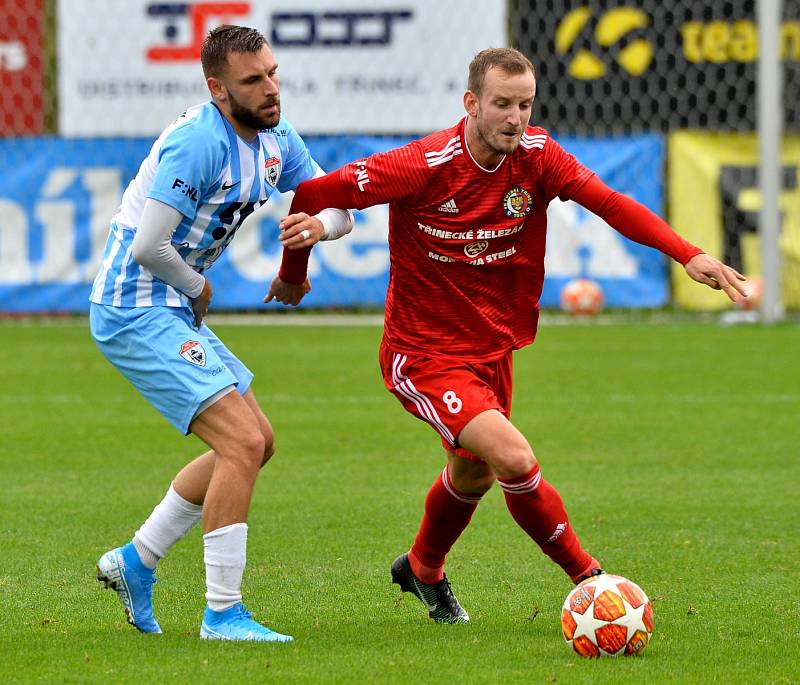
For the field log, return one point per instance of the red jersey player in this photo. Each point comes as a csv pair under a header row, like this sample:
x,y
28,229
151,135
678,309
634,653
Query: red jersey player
x,y
467,226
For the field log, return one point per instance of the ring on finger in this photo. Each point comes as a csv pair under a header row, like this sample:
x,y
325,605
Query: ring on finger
x,y
305,233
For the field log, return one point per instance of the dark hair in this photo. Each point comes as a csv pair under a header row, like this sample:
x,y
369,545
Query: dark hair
x,y
226,39
509,60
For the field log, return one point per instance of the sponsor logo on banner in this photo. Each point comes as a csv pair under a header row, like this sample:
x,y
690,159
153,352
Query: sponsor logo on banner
x,y
362,59
517,203
196,19
192,351
613,27
338,28
272,171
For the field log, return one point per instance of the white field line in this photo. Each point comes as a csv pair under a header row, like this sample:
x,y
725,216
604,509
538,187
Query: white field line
x,y
278,318
284,398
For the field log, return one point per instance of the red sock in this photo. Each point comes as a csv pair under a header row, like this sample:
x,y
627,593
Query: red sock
x,y
447,513
538,509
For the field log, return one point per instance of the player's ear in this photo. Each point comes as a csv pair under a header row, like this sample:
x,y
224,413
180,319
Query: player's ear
x,y
471,103
216,88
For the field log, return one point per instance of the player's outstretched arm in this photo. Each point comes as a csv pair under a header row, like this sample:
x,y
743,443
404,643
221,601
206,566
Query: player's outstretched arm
x,y
637,222
380,178
706,269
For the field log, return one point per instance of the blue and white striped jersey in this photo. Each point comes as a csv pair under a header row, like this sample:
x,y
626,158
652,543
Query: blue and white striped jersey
x,y
200,167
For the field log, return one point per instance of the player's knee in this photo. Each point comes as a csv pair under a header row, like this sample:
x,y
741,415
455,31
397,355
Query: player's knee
x,y
477,484
269,446
486,482
470,477
517,460
248,451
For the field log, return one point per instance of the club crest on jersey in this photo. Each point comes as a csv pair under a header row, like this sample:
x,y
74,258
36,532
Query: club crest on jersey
x,y
193,352
474,249
517,203
272,171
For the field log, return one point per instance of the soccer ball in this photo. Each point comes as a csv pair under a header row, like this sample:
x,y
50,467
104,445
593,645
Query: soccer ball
x,y
755,291
606,616
581,296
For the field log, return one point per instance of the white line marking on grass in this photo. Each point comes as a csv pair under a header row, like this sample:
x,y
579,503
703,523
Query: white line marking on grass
x,y
676,399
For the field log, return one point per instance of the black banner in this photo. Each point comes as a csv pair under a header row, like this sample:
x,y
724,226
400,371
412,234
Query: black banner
x,y
608,67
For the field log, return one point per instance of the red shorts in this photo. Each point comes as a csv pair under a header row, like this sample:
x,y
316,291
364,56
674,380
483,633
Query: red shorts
x,y
448,393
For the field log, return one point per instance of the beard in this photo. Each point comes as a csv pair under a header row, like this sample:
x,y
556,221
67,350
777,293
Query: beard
x,y
254,118
496,141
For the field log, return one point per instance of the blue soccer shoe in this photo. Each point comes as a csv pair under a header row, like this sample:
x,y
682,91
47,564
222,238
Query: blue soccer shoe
x,y
121,570
237,623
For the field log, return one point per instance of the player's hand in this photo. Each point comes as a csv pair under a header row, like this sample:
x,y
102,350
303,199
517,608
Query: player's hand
x,y
705,269
300,230
287,293
200,304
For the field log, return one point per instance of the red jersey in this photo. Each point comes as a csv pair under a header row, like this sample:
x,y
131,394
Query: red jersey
x,y
466,244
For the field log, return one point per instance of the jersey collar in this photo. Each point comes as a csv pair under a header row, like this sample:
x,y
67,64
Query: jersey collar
x,y
255,145
465,145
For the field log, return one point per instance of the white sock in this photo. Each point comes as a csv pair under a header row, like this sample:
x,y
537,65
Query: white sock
x,y
225,551
172,518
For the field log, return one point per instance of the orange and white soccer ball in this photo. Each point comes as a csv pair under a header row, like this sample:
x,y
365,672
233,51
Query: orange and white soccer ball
x,y
582,296
607,616
755,291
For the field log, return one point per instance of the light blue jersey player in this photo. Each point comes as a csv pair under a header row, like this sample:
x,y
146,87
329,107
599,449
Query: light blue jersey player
x,y
206,173
200,167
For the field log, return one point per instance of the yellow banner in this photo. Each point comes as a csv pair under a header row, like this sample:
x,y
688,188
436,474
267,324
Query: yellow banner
x,y
714,202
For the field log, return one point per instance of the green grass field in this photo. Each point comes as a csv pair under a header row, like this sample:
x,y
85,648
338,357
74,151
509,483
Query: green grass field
x,y
676,448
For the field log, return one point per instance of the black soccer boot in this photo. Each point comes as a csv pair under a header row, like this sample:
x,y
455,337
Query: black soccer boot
x,y
595,572
439,600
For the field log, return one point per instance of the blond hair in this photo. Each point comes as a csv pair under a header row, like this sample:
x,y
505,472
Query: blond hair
x,y
509,60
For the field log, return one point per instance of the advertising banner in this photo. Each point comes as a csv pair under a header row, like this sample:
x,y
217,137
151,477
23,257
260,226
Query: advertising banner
x,y
580,244
714,202
21,83
375,66
58,196
646,65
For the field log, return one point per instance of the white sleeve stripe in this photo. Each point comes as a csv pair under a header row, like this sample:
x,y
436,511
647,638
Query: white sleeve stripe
x,y
445,159
444,153
450,143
